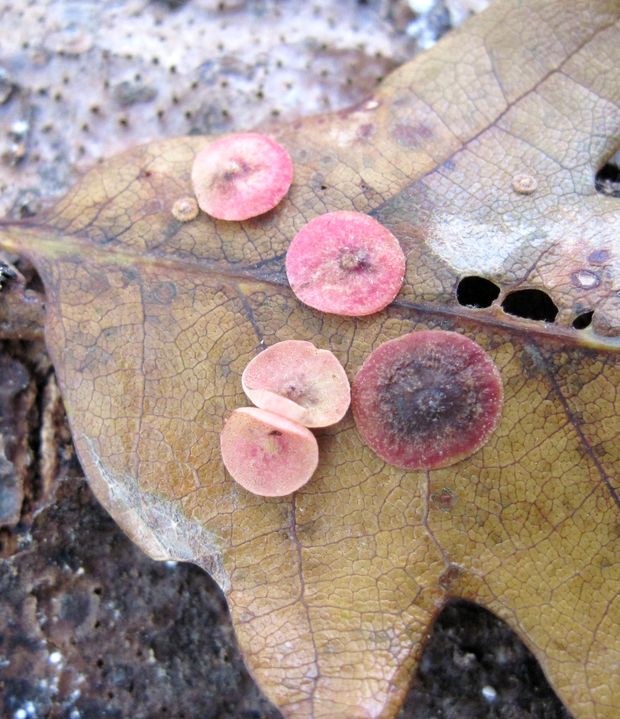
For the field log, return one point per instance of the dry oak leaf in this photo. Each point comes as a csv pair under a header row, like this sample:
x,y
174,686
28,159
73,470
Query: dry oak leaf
x,y
150,323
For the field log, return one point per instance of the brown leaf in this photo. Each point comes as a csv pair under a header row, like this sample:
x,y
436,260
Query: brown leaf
x,y
151,322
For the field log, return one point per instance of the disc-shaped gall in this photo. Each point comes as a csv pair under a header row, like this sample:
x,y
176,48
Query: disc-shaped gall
x,y
345,263
427,400
268,454
185,209
241,175
524,184
299,381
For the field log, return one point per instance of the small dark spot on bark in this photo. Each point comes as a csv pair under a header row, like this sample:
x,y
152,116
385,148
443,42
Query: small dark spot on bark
x,y
172,4
76,608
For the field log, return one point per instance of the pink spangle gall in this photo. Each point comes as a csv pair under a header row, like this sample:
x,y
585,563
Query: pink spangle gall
x,y
185,209
267,454
345,263
299,381
241,175
524,184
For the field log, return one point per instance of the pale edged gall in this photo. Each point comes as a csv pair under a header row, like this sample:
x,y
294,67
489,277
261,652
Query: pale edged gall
x,y
427,399
299,381
345,263
241,175
267,454
185,209
524,184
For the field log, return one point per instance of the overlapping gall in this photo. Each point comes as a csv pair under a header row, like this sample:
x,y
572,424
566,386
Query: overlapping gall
x,y
299,381
268,454
269,451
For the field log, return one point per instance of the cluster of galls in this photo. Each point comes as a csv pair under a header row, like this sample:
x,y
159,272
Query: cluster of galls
x,y
423,401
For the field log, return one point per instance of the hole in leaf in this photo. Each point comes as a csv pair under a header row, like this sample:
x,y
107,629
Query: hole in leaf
x,y
476,292
583,320
607,179
531,305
